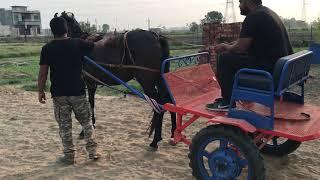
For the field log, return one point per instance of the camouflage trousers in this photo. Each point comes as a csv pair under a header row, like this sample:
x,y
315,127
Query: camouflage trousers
x,y
63,107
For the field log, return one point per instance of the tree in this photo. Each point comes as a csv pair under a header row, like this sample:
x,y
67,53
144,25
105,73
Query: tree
x,y
316,28
194,27
93,29
105,28
87,27
212,17
294,24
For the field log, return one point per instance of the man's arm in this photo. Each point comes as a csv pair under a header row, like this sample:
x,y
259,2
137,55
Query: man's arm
x,y
42,79
240,46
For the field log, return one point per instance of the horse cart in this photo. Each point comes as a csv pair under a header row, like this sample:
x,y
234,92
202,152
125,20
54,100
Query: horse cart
x,y
269,115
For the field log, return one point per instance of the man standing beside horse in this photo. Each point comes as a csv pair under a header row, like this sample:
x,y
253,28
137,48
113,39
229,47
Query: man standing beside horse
x,y
63,56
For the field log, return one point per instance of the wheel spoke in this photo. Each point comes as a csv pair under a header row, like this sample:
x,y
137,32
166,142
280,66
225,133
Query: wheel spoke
x,y
206,154
243,163
223,144
275,141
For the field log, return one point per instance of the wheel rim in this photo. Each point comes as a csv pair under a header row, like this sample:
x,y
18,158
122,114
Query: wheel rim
x,y
276,142
225,162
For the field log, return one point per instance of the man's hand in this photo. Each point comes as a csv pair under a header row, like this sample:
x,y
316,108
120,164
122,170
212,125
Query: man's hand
x,y
220,48
42,78
42,97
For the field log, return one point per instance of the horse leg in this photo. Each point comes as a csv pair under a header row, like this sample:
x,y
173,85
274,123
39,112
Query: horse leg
x,y
92,88
92,93
166,98
158,119
150,90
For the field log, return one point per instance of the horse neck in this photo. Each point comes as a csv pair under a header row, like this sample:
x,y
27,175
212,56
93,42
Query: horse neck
x,y
105,54
91,37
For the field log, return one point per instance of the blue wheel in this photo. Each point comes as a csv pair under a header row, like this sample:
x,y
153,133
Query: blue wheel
x,y
225,153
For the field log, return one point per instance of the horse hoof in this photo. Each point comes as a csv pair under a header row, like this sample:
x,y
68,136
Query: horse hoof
x,y
172,142
81,136
152,149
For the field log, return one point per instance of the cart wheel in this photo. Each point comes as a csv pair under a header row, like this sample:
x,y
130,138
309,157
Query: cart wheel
x,y
225,152
280,146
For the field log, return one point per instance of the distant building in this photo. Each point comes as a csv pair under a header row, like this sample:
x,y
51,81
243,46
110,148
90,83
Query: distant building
x,y
25,22
4,31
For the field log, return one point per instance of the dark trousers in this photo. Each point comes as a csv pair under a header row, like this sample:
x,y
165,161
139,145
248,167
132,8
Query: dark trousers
x,y
228,64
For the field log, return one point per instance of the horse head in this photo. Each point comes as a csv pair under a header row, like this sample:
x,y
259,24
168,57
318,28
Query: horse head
x,y
74,29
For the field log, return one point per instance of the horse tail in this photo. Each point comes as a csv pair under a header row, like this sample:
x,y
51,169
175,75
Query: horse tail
x,y
165,47
165,50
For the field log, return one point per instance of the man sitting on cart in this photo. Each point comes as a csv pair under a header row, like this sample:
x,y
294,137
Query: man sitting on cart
x,y
262,41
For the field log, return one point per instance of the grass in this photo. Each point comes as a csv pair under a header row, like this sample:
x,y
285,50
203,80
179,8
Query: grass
x,y
297,49
19,66
20,71
8,50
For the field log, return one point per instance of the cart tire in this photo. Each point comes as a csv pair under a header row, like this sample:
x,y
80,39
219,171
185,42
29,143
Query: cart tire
x,y
234,137
289,146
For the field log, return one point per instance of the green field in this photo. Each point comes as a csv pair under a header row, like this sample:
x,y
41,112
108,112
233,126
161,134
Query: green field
x,y
8,50
19,66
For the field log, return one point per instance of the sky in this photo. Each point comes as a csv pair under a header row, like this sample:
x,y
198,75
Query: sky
x,y
129,14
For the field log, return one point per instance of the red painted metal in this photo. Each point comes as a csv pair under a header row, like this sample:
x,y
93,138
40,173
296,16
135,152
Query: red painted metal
x,y
193,88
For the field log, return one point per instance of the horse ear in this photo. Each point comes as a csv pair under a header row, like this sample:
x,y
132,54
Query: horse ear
x,y
72,15
56,15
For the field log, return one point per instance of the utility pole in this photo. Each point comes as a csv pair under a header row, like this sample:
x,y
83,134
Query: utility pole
x,y
227,17
25,31
149,22
304,12
95,20
116,23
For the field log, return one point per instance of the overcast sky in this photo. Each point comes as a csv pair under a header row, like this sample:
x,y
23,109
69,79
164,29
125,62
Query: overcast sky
x,y
170,13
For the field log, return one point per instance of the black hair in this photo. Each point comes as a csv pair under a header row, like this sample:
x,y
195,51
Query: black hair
x,y
257,2
58,26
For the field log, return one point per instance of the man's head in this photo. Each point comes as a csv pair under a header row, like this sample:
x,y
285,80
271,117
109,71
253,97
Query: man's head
x,y
246,6
58,26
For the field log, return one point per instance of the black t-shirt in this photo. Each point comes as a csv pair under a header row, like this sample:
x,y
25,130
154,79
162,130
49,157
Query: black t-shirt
x,y
270,38
64,58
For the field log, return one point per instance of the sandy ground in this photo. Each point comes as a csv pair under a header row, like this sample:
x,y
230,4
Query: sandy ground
x,y
30,145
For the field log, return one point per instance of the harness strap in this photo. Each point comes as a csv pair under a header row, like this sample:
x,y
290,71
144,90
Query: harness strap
x,y
128,66
104,84
126,48
153,103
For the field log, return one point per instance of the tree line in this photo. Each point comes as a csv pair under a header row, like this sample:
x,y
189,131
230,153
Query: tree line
x,y
291,24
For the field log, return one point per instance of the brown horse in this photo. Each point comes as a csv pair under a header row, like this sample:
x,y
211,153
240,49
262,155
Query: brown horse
x,y
136,54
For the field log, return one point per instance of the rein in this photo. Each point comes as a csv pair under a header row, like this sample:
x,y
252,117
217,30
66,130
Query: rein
x,y
104,84
128,67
